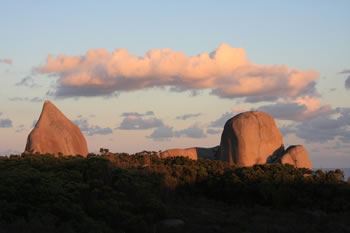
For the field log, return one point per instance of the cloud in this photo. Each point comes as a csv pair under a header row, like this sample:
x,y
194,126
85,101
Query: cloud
x,y
137,122
5,123
166,132
20,128
162,133
187,116
256,99
219,123
226,71
302,108
6,61
326,128
289,129
27,81
191,132
344,72
214,131
34,99
236,110
91,130
136,114
347,83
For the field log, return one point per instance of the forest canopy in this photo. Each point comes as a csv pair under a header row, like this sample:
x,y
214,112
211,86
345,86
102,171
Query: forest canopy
x,y
125,193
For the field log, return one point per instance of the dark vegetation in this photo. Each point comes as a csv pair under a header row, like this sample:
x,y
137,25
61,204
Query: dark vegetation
x,y
134,193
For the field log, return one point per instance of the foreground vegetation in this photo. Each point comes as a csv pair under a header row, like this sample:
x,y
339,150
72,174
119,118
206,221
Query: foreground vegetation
x,y
135,193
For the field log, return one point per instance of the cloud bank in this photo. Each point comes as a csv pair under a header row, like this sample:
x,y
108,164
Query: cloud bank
x,y
226,71
335,125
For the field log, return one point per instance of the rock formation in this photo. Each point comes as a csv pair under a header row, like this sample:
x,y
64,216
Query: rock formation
x,y
192,153
189,152
249,138
55,134
296,156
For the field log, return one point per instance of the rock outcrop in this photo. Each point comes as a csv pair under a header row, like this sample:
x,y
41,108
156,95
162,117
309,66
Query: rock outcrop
x,y
192,153
55,134
249,138
296,156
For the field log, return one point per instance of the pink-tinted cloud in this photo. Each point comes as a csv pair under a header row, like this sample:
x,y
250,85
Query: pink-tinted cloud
x,y
6,61
226,71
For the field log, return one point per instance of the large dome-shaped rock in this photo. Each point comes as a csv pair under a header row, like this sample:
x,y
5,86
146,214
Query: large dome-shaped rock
x,y
55,134
192,153
296,156
249,138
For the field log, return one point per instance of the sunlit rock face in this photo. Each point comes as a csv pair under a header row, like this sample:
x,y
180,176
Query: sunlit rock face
x,y
296,156
192,153
55,134
249,138
189,152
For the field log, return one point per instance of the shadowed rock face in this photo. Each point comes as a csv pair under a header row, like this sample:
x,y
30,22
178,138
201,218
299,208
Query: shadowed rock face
x,y
54,133
192,153
249,138
296,156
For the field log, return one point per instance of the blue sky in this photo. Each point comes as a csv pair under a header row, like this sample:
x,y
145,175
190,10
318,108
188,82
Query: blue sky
x,y
312,35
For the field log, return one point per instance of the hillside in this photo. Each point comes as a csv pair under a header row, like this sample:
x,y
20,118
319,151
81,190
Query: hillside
x,y
136,193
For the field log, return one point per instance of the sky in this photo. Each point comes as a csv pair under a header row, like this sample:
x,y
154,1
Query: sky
x,y
155,75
